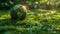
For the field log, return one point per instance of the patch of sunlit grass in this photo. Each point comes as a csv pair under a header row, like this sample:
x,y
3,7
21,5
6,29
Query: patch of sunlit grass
x,y
58,27
52,12
42,10
5,17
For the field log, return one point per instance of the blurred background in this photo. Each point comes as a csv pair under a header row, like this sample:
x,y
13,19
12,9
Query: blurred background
x,y
42,17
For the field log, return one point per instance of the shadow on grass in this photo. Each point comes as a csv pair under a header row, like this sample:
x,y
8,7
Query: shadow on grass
x,y
7,22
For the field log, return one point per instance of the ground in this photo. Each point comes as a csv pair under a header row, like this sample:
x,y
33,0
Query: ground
x,y
36,21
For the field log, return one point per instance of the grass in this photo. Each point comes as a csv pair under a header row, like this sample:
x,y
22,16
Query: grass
x,y
37,20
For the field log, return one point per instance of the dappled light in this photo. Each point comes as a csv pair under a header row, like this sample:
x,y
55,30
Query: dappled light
x,y
30,17
5,17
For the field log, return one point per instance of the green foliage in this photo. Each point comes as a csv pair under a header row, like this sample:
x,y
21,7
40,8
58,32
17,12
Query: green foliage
x,y
7,4
38,21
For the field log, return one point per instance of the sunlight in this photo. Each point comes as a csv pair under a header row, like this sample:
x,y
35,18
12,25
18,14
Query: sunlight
x,y
30,17
47,13
25,8
52,12
4,17
58,27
